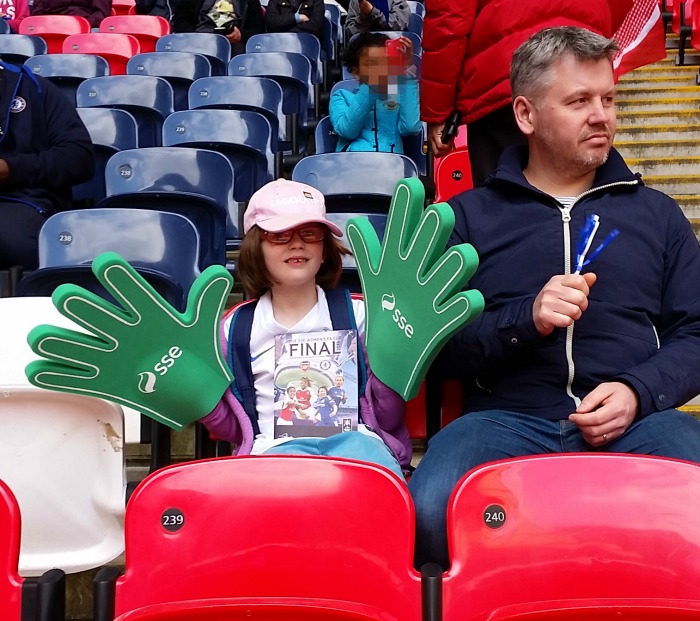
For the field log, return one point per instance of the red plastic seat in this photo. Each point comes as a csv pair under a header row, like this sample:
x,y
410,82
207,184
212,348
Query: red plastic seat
x,y
146,28
116,49
54,28
122,7
277,531
562,537
453,175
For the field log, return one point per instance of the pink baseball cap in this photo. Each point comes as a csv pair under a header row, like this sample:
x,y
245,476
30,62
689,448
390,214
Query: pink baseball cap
x,y
282,204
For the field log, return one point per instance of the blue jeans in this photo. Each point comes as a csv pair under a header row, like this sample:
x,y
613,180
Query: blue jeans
x,y
481,437
351,444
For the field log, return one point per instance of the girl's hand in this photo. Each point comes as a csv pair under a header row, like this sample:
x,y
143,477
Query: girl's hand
x,y
407,50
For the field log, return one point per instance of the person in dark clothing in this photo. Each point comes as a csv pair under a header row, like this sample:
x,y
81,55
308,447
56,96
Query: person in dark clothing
x,y
44,151
575,351
243,20
295,16
163,8
93,10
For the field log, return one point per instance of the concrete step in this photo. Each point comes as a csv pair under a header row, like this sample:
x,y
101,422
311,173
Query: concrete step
x,y
653,149
646,132
690,204
674,185
639,118
658,104
666,166
668,82
634,93
657,72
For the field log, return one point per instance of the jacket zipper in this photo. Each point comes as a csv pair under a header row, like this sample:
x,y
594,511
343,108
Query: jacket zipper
x,y
566,219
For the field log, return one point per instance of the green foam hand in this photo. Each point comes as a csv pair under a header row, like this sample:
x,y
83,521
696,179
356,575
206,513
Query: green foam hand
x,y
144,355
412,286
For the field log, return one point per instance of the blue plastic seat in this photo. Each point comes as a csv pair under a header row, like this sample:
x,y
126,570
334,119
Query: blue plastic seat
x,y
180,69
325,137
215,47
353,180
415,24
5,27
148,98
195,183
162,246
16,48
68,71
292,71
332,12
110,130
416,7
244,137
261,95
299,42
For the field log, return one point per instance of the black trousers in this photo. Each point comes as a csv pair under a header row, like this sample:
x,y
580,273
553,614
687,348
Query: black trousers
x,y
486,139
19,233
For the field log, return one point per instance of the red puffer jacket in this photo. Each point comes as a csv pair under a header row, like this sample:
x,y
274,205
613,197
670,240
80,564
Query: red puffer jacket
x,y
468,44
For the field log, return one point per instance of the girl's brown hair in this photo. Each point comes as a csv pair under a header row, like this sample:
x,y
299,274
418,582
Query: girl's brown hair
x,y
253,274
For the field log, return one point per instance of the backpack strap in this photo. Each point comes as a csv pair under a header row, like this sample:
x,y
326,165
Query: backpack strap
x,y
343,318
239,360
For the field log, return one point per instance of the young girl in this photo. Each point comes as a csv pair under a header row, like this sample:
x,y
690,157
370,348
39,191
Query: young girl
x,y
290,260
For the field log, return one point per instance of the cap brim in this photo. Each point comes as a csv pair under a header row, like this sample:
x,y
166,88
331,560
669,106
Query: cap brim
x,y
289,221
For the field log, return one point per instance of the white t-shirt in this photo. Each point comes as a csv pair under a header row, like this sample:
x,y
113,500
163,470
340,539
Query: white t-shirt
x,y
262,356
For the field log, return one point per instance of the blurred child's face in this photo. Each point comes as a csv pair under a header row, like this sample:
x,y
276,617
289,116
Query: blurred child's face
x,y
374,69
339,381
322,392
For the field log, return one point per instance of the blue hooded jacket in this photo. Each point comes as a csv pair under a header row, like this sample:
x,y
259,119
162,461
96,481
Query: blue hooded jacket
x,y
642,325
43,141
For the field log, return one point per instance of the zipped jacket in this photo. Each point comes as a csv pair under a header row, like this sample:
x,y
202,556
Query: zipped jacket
x,y
642,325
280,16
43,141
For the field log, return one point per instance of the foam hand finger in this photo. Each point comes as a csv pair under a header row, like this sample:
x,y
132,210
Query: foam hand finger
x,y
450,273
432,235
69,346
405,213
208,296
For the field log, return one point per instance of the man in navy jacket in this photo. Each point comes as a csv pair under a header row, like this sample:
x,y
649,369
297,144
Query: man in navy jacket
x,y
44,150
565,361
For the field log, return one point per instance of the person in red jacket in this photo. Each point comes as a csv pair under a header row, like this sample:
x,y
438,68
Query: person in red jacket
x,y
467,47
14,11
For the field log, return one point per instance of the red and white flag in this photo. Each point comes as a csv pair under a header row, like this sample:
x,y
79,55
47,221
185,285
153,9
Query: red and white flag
x,y
641,37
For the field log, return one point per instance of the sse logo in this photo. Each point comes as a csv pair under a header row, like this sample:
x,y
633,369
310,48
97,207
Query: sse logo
x,y
389,303
147,379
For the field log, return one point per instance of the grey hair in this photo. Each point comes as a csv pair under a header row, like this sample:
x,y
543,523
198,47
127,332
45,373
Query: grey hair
x,y
530,68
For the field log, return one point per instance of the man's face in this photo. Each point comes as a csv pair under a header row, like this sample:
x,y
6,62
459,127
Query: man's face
x,y
574,121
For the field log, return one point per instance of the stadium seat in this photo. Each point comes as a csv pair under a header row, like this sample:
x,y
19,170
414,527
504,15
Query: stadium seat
x,y
149,99
110,130
146,28
416,7
325,137
5,27
329,40
453,174
261,95
54,29
180,69
332,11
576,536
281,537
415,24
16,48
122,7
195,183
292,72
63,457
116,49
68,71
215,47
350,180
244,137
162,246
21,599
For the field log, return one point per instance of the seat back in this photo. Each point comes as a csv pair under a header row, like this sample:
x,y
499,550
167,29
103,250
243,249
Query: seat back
x,y
348,179
416,7
195,183
10,582
16,48
551,533
67,71
146,28
244,137
332,11
5,27
686,11
54,28
453,174
122,7
292,529
415,24
291,70
299,42
325,137
180,69
215,47
148,98
110,130
261,95
116,49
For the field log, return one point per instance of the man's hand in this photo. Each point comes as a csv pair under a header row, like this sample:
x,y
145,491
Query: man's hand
x,y
142,354
234,36
303,18
365,7
435,140
606,412
561,301
411,286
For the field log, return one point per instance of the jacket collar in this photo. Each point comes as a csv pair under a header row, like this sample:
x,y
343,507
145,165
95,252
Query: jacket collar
x,y
514,159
